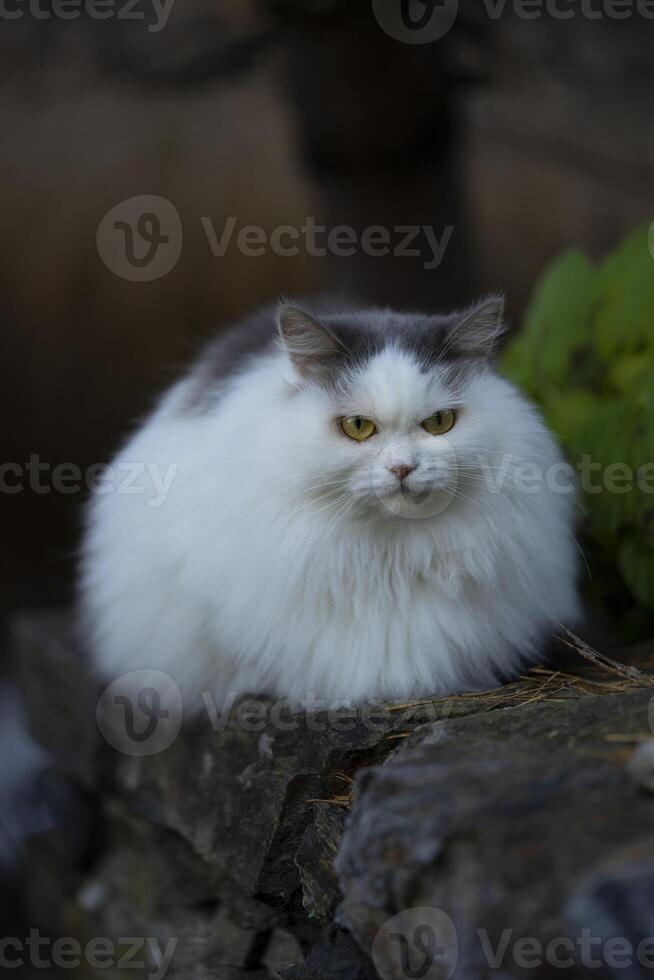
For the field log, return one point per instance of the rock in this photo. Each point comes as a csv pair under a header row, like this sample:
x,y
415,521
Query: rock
x,y
238,944
314,860
59,695
146,881
236,788
618,900
335,957
282,952
242,798
497,826
471,816
641,766
216,838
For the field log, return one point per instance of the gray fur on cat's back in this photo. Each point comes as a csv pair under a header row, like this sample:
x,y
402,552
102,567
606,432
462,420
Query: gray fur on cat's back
x,y
227,354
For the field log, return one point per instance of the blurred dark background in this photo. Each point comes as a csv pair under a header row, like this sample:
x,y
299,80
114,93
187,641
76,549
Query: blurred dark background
x,y
523,135
520,134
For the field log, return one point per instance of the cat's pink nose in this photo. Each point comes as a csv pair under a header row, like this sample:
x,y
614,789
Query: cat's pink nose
x,y
401,471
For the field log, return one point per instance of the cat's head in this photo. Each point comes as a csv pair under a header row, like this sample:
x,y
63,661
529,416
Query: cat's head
x,y
390,411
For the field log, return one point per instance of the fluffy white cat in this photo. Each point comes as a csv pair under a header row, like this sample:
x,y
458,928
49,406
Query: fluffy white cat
x,y
343,520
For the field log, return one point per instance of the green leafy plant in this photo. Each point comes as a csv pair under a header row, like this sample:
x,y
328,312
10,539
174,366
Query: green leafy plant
x,y
586,355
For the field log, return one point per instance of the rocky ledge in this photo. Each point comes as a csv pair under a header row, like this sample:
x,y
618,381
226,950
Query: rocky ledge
x,y
503,834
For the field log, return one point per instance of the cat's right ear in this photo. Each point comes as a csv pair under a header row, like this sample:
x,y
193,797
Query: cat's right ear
x,y
314,350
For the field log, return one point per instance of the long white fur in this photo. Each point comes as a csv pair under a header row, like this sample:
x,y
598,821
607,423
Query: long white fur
x,y
284,561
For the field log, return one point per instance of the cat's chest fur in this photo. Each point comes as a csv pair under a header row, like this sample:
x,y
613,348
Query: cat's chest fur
x,y
346,618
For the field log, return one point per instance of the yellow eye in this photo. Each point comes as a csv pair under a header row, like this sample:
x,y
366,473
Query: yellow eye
x,y
358,428
440,422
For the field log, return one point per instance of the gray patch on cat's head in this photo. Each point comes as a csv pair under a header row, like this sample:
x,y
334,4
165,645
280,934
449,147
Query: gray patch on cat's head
x,y
326,342
324,346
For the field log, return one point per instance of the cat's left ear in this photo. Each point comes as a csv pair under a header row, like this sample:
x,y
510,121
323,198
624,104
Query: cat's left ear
x,y
476,332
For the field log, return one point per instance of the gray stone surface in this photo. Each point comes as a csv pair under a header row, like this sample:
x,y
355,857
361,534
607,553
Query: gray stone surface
x,y
315,858
238,840
524,819
334,957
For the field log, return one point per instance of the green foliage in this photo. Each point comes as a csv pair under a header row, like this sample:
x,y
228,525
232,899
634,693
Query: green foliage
x,y
586,355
